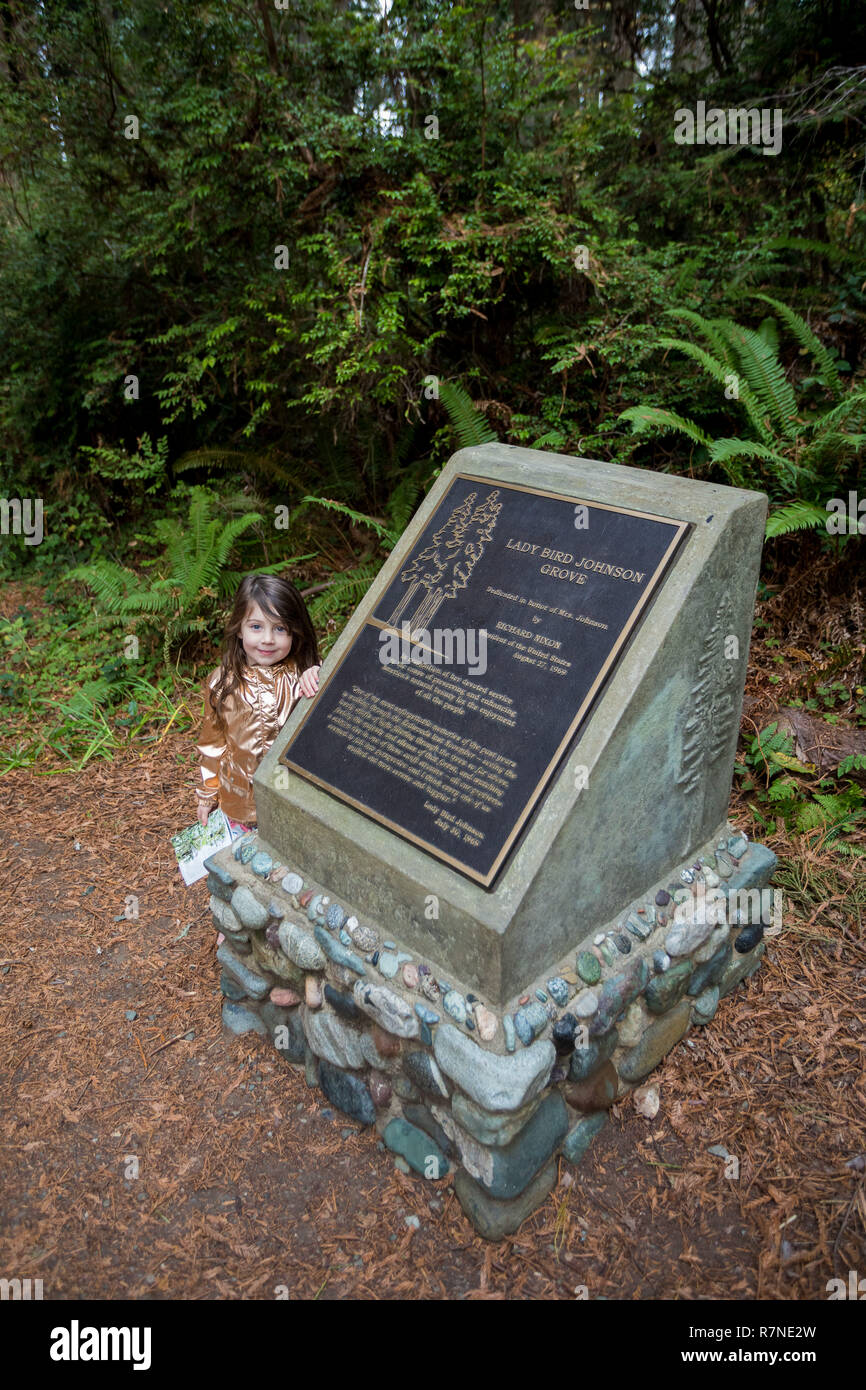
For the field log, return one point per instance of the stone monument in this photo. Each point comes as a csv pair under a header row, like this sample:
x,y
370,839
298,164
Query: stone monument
x,y
493,881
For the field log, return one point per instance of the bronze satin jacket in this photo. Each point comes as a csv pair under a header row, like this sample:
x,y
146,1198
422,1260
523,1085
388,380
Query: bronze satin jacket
x,y
253,715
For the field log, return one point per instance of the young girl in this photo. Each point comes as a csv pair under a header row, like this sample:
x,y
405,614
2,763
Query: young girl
x,y
270,660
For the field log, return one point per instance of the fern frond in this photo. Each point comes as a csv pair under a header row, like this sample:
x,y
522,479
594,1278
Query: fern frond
x,y
710,330
346,592
841,806
810,817
404,444
553,439
771,740
357,517
644,418
765,375
783,789
401,504
283,567
222,460
468,423
820,248
795,516
110,583
807,339
227,538
722,373
723,451
855,400
768,332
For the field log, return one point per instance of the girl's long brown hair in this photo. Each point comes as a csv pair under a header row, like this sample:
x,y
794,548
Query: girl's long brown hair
x,y
280,600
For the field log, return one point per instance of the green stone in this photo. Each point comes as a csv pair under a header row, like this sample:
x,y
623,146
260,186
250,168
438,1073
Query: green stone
x,y
218,889
514,1166
740,967
585,1060
219,874
241,1020
663,991
230,988
276,962
580,1138
420,1151
616,995
711,971
248,909
588,968
489,1129
420,1116
311,1068
421,1069
609,951
250,980
656,1042
494,1082
494,1219
706,1005
338,952
405,1089
286,1030
348,1092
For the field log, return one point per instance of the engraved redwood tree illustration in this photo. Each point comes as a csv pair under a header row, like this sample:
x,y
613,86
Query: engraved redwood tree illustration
x,y
443,567
431,563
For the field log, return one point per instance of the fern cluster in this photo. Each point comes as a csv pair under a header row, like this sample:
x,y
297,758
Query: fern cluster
x,y
783,448
345,588
146,468
770,772
193,580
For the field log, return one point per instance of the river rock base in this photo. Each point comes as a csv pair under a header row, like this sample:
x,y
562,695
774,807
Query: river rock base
x,y
451,1083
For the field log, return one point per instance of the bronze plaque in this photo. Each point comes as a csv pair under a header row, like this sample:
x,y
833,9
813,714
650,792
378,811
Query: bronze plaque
x,y
446,717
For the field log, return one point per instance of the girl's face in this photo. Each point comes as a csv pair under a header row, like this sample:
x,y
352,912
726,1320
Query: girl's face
x,y
265,640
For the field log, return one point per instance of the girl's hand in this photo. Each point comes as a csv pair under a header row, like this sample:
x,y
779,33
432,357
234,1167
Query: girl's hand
x,y
204,813
309,682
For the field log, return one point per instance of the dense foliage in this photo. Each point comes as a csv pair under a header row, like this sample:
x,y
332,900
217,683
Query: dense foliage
x,y
326,205
264,265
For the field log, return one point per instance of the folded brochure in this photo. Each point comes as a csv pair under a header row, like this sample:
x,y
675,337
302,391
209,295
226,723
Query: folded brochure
x,y
198,842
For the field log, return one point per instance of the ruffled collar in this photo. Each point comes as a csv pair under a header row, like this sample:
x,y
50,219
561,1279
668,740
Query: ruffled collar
x,y
288,665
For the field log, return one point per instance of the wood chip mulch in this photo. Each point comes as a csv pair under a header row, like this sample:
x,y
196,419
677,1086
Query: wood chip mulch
x,y
244,1185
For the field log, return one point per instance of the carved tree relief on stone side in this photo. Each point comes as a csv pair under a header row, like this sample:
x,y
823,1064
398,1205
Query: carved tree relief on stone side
x,y
712,705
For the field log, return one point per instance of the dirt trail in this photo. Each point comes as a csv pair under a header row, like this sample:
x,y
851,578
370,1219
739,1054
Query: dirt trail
x,y
244,1183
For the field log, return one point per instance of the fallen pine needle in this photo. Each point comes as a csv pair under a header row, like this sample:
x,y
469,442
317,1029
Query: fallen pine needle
x,y
175,1039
